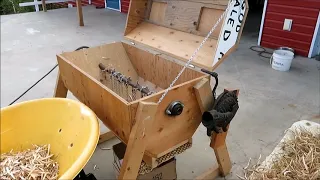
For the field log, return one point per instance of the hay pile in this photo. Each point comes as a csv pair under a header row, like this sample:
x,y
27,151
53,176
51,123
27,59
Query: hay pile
x,y
299,159
34,164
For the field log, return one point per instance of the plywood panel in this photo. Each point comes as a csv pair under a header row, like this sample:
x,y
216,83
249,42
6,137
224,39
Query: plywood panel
x,y
182,15
157,12
169,130
176,44
112,110
111,55
156,69
208,18
185,15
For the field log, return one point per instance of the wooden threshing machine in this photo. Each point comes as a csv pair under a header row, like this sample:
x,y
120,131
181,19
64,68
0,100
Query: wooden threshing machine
x,y
122,82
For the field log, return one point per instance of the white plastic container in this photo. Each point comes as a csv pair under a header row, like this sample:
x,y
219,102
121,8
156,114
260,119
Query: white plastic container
x,y
281,60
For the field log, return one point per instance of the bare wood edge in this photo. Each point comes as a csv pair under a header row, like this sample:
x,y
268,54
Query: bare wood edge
x,y
60,56
211,173
106,137
60,89
161,92
204,95
138,140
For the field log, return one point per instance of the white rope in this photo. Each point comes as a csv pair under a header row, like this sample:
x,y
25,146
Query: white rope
x,y
194,53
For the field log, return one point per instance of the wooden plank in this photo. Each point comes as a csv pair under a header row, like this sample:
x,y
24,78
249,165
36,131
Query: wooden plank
x,y
158,10
185,16
138,140
174,43
112,56
136,14
156,69
106,136
208,18
111,109
220,149
151,161
183,126
60,89
182,15
80,14
204,95
211,173
44,7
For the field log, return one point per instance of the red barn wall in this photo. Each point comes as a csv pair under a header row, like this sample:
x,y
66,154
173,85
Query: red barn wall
x,y
125,6
304,15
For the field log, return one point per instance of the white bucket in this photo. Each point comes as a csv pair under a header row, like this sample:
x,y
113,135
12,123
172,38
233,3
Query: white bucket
x,y
281,60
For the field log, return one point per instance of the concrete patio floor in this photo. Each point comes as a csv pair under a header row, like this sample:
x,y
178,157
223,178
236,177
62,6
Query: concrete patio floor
x,y
270,101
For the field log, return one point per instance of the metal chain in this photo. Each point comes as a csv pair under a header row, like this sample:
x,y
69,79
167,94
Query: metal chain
x,y
194,54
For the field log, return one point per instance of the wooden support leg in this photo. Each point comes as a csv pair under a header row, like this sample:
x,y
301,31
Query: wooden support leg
x,y
138,140
44,7
80,15
61,90
218,141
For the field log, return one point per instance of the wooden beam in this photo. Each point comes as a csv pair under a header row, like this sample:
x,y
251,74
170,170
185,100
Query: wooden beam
x,y
218,143
60,90
80,14
138,140
106,136
204,95
44,7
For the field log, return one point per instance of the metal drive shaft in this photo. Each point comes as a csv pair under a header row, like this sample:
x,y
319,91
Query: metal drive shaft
x,y
124,79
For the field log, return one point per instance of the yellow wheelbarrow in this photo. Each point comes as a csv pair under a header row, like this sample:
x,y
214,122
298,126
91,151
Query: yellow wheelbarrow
x,y
71,129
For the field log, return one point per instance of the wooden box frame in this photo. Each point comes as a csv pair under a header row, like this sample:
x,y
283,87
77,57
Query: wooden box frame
x,y
141,124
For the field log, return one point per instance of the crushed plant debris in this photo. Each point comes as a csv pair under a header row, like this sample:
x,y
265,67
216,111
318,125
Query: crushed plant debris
x,y
300,159
32,164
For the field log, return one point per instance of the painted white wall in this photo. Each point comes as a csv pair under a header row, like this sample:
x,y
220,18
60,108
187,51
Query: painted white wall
x,y
262,21
315,44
